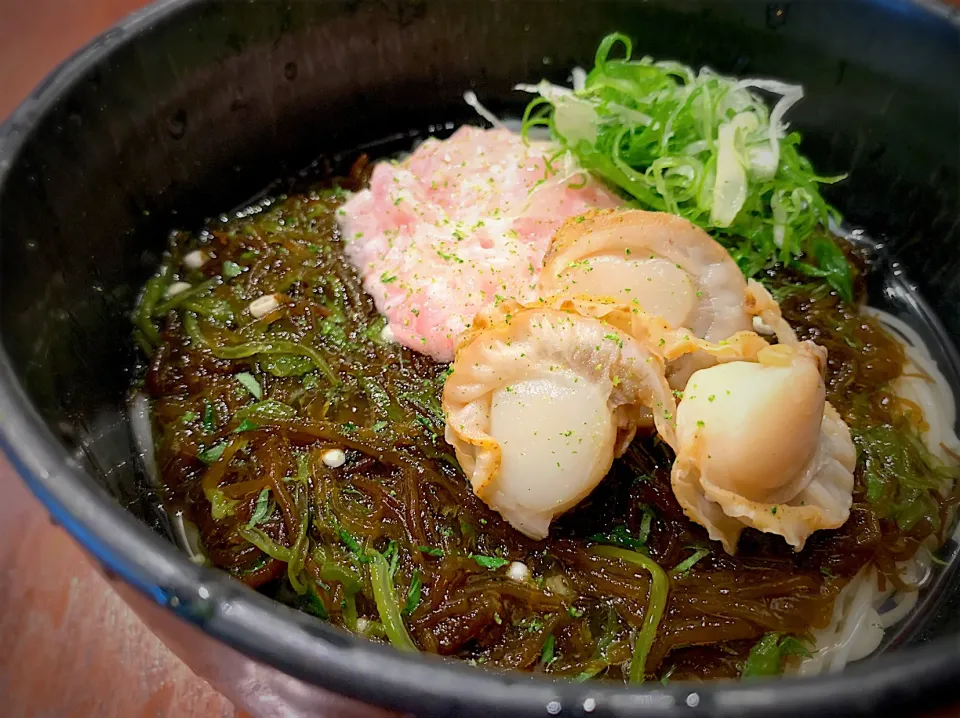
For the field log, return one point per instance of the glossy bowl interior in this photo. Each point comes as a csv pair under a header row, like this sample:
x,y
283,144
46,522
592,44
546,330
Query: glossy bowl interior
x,y
191,107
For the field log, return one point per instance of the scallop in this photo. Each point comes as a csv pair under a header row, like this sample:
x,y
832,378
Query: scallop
x,y
759,446
656,262
539,404
654,332
682,351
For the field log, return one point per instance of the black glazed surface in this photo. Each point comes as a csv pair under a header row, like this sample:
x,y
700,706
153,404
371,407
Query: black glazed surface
x,y
193,106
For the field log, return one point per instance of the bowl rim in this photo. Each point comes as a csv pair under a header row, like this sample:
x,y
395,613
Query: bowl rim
x,y
325,656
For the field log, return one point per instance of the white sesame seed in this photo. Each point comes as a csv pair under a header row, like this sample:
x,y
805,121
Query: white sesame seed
x,y
387,334
177,287
334,458
262,306
195,259
518,571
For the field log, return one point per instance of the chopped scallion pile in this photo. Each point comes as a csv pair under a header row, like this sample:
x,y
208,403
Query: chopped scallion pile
x,y
703,146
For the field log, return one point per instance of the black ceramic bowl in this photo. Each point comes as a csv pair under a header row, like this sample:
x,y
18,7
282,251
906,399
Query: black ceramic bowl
x,y
192,106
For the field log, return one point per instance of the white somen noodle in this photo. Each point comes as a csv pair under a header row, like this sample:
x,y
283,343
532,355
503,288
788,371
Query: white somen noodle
x,y
863,611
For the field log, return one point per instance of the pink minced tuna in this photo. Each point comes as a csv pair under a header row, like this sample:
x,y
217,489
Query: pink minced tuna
x,y
458,225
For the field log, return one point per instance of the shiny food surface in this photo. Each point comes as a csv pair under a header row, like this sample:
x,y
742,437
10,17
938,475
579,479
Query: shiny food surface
x,y
35,36
394,545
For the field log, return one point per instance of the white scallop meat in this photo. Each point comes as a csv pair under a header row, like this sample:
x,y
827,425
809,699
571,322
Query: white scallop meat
x,y
656,262
758,446
539,404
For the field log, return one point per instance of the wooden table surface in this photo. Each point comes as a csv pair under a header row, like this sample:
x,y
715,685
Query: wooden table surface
x,y
71,647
